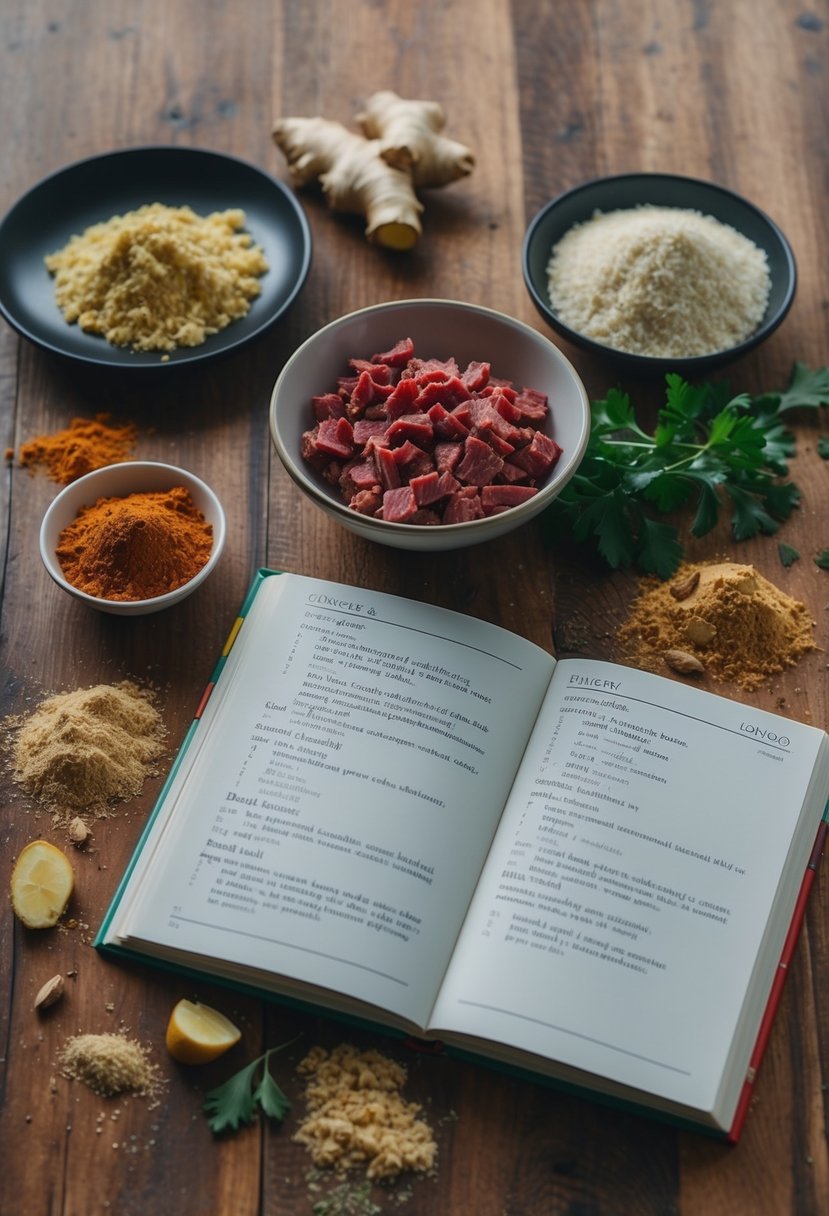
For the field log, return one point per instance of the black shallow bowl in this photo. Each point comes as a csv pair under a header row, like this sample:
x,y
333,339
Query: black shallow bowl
x,y
662,190
91,191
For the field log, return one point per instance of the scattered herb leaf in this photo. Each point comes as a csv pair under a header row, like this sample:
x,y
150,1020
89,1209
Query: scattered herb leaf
x,y
788,555
708,449
823,447
235,1101
822,559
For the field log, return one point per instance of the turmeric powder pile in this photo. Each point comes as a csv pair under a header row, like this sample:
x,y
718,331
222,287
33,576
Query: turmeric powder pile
x,y
86,444
135,548
738,625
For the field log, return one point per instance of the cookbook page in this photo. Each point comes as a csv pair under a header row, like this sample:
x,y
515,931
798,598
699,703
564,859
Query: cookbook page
x,y
652,849
333,810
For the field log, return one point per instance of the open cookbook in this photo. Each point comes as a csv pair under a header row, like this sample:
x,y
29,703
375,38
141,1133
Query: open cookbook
x,y
411,816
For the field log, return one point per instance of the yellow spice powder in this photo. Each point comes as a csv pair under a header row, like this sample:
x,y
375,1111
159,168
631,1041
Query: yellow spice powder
x,y
159,277
739,625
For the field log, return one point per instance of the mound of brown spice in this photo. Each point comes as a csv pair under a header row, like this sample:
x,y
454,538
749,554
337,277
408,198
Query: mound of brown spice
x,y
739,625
89,748
137,547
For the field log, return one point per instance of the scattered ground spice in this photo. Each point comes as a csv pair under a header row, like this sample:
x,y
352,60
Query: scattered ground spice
x,y
740,626
347,1199
158,277
137,547
89,748
86,444
357,1116
111,1064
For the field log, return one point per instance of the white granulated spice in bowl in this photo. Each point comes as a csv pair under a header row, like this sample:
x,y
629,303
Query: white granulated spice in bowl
x,y
658,272
659,281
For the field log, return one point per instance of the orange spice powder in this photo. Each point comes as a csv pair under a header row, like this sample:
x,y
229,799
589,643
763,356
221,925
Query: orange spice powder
x,y
86,444
137,547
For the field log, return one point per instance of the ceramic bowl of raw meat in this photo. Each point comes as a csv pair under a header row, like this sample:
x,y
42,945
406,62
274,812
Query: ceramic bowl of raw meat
x,y
444,331
630,190
118,481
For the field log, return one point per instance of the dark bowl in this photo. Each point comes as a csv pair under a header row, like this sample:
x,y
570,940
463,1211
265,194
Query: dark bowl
x,y
664,190
91,191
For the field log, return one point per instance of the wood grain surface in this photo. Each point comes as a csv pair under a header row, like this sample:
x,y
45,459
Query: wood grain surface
x,y
549,93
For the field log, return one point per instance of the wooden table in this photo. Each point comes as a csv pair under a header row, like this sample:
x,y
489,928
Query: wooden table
x,y
548,94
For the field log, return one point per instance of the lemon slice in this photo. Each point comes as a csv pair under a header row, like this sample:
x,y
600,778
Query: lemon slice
x,y
197,1033
41,883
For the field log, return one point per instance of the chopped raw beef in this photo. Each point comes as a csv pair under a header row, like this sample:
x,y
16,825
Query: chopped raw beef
x,y
398,356
399,505
418,441
336,436
328,405
462,506
505,496
479,464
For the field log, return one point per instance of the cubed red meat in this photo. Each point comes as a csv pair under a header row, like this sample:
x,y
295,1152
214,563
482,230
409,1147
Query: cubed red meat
x,y
418,441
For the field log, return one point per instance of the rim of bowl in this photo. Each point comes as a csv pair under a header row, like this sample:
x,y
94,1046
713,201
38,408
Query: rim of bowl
x,y
130,606
528,508
660,362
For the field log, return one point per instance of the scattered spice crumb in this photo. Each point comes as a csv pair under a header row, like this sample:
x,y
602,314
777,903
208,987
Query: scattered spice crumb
x,y
111,1064
347,1199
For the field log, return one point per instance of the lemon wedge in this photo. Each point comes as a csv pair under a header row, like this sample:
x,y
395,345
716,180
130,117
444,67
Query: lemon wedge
x,y
41,883
197,1033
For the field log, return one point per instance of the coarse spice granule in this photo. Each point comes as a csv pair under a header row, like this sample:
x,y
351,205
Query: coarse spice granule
x,y
89,748
111,1064
357,1116
741,627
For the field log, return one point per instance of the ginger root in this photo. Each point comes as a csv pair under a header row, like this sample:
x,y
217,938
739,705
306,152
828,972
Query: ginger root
x,y
376,174
409,134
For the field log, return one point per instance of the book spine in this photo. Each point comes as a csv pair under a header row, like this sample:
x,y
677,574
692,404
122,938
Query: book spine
x,y
776,992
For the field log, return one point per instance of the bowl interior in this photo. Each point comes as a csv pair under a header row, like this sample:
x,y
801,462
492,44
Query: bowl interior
x,y
661,190
117,481
438,329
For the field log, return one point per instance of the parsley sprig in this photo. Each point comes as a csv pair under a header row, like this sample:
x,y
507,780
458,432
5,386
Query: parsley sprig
x,y
708,449
236,1101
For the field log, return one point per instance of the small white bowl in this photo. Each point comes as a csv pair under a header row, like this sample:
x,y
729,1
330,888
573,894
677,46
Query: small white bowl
x,y
439,329
117,481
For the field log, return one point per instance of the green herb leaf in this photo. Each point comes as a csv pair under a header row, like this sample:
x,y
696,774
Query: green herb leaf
x,y
822,559
806,388
268,1095
823,447
234,1103
231,1104
788,555
719,452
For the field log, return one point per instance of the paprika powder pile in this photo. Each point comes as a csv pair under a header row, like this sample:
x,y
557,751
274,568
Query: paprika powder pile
x,y
137,547
86,444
